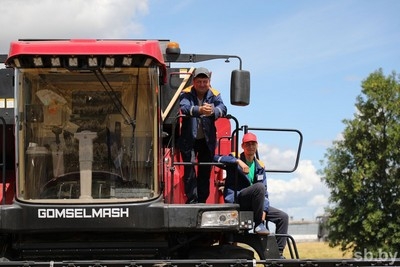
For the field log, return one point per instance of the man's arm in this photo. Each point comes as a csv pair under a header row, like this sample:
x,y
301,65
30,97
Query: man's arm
x,y
245,168
187,106
220,109
232,160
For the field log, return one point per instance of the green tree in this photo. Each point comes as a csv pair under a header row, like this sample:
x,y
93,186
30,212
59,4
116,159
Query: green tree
x,y
362,171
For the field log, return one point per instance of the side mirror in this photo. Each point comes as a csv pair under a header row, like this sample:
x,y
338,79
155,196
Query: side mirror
x,y
240,88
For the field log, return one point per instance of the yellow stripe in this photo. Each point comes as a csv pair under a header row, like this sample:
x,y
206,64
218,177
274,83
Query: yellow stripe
x,y
214,91
261,163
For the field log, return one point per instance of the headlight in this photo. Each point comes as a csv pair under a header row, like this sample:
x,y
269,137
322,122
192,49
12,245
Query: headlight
x,y
220,218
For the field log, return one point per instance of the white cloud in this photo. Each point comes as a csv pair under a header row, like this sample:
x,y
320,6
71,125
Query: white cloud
x,y
70,19
277,158
302,195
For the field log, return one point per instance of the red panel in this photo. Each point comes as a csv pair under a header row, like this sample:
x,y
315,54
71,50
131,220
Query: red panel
x,y
174,187
150,48
9,187
223,147
223,132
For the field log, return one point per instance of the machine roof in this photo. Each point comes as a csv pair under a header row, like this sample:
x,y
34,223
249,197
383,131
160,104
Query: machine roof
x,y
75,47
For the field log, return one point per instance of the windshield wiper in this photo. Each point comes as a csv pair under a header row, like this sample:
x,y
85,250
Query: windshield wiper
x,y
114,98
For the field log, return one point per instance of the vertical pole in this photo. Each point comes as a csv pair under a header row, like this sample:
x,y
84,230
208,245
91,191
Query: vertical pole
x,y
85,162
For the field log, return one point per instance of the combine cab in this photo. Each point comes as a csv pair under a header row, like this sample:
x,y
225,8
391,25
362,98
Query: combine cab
x,y
91,175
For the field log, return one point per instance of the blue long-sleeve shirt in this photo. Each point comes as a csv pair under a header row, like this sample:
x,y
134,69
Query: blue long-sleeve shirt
x,y
189,106
243,179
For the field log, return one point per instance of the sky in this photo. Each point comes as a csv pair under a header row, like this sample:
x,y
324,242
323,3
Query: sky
x,y
306,58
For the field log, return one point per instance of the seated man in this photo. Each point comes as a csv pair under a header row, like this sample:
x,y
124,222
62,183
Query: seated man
x,y
251,187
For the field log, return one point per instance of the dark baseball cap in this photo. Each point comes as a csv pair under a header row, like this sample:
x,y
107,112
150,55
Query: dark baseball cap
x,y
201,71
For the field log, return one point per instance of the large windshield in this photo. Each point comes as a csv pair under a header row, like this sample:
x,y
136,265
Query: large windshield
x,y
87,136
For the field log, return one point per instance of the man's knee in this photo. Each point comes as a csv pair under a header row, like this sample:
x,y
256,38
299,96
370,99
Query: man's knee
x,y
285,216
259,188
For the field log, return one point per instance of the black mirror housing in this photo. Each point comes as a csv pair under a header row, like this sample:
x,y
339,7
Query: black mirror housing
x,y
240,88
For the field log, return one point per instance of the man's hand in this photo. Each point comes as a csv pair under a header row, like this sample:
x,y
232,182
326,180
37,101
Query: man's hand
x,y
206,109
244,166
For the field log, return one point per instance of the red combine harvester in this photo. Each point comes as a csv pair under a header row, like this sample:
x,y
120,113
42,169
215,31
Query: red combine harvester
x,y
90,172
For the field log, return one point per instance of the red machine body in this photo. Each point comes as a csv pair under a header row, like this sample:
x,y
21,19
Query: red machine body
x,y
91,175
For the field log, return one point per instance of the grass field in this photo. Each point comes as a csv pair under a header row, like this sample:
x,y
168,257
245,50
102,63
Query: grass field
x,y
317,250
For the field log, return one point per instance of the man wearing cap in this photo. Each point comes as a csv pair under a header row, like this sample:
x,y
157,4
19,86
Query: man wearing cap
x,y
202,105
251,187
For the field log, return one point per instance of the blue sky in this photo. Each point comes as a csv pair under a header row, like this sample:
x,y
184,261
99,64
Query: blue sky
x,y
307,59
